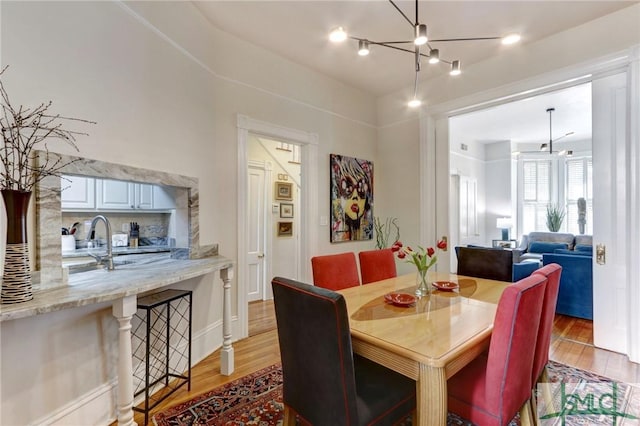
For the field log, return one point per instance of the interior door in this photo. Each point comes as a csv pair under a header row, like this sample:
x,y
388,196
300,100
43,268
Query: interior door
x,y
256,236
610,212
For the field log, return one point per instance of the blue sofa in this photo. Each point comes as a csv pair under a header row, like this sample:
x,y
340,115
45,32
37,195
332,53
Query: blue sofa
x,y
535,244
575,297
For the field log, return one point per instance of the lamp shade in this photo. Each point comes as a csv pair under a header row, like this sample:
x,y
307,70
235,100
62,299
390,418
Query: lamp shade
x,y
503,223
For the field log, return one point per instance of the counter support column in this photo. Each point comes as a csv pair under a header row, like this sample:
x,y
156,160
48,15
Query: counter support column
x,y
123,310
226,353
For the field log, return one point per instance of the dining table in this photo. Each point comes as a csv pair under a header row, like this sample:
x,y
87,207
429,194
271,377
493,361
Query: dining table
x,y
428,338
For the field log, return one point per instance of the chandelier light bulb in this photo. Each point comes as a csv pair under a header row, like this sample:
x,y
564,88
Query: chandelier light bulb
x,y
511,39
338,35
434,56
363,47
414,103
455,68
421,35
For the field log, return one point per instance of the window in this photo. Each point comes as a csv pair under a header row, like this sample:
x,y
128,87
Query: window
x,y
536,190
578,185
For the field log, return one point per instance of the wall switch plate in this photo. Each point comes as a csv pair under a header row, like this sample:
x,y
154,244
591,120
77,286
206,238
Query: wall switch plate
x,y
125,227
324,221
275,208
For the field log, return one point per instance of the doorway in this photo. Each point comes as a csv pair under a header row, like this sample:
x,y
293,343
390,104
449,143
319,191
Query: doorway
x,y
292,212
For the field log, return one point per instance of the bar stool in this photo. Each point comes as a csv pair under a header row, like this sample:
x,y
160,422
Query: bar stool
x,y
164,327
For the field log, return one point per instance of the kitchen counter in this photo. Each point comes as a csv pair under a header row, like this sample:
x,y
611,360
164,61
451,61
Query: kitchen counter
x,y
146,272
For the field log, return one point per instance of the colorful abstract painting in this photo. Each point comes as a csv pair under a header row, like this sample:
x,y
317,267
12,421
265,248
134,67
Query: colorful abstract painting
x,y
351,199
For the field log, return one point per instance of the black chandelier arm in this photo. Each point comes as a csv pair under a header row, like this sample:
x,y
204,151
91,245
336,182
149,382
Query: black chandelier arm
x,y
390,46
405,16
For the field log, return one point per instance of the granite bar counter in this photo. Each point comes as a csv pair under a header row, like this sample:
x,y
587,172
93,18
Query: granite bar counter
x,y
137,273
144,273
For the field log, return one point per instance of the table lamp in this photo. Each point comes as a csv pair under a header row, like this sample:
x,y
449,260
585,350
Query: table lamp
x,y
504,223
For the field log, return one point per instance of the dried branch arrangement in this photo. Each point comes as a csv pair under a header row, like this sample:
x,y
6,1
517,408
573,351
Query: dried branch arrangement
x,y
25,130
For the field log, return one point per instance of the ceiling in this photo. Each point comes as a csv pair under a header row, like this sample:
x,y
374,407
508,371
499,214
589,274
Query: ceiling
x,y
298,30
527,120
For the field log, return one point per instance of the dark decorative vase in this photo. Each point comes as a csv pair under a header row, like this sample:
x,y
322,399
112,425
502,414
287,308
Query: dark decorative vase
x,y
16,279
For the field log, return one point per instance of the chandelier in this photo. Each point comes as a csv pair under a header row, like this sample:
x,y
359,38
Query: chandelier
x,y
549,146
419,40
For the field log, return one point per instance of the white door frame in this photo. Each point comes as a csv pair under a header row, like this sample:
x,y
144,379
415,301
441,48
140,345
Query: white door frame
x,y
308,201
434,143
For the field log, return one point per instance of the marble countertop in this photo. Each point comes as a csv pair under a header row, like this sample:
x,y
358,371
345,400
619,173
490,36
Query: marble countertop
x,y
147,272
116,251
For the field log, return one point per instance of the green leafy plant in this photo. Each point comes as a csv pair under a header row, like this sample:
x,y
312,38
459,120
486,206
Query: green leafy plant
x,y
385,230
555,216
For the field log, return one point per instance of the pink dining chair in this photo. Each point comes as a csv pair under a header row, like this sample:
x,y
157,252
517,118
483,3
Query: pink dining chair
x,y
552,272
495,386
376,265
335,271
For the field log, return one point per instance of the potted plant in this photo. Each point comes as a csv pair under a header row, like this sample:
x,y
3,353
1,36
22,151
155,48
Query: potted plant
x,y
25,131
555,216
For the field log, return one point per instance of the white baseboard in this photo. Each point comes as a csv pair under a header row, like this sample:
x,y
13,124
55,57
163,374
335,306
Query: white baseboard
x,y
98,406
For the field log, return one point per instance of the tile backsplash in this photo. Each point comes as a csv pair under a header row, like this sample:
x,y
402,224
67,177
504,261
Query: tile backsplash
x,y
152,225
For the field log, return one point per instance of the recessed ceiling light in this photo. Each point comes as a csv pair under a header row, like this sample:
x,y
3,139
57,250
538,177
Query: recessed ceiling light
x,y
414,103
337,35
511,39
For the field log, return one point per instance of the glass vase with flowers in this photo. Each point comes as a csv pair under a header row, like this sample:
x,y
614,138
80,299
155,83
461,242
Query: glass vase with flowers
x,y
423,259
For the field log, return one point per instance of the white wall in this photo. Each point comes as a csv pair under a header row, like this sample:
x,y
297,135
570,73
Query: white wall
x,y
498,188
165,88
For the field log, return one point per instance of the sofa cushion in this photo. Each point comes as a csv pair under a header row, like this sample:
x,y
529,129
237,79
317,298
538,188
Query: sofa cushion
x,y
584,240
572,252
551,237
583,248
545,247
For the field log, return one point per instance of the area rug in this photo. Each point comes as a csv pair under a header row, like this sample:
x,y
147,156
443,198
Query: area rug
x,y
256,399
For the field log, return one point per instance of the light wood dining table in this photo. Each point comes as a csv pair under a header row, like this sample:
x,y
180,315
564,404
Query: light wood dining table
x,y
428,341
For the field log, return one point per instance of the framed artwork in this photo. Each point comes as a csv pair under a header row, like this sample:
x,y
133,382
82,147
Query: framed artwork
x,y
285,229
286,210
351,201
284,191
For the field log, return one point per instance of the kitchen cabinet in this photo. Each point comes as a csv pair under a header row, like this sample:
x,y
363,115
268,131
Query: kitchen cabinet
x,y
121,195
78,192
90,194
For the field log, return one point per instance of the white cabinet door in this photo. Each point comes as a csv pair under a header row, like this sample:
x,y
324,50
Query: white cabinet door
x,y
115,194
163,197
78,192
143,196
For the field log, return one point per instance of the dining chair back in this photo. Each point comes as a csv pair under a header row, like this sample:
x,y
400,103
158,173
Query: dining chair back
x,y
324,382
377,265
335,271
541,357
495,386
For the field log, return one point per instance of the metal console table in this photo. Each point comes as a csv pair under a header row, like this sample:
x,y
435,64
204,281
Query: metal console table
x,y
160,365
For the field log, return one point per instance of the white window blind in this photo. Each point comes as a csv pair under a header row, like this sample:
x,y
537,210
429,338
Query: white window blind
x,y
536,194
579,185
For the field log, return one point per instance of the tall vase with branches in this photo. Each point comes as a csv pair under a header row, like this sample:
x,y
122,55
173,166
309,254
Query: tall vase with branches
x,y
25,131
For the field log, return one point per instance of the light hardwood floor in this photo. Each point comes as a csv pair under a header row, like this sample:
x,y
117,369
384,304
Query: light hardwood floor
x,y
572,344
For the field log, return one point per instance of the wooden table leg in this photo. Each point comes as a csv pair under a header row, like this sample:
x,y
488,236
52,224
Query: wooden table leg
x,y
431,396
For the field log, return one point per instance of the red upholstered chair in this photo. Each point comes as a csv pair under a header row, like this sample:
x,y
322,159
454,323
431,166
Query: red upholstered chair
x,y
552,272
376,265
335,271
325,383
495,386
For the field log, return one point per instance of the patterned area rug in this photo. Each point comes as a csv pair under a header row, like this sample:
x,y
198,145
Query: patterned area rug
x,y
256,399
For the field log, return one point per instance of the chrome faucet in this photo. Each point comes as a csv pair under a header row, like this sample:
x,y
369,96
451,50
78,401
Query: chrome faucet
x,y
104,259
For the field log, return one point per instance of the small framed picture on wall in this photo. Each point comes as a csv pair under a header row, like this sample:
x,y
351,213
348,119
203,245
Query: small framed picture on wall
x,y
285,229
284,191
286,210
